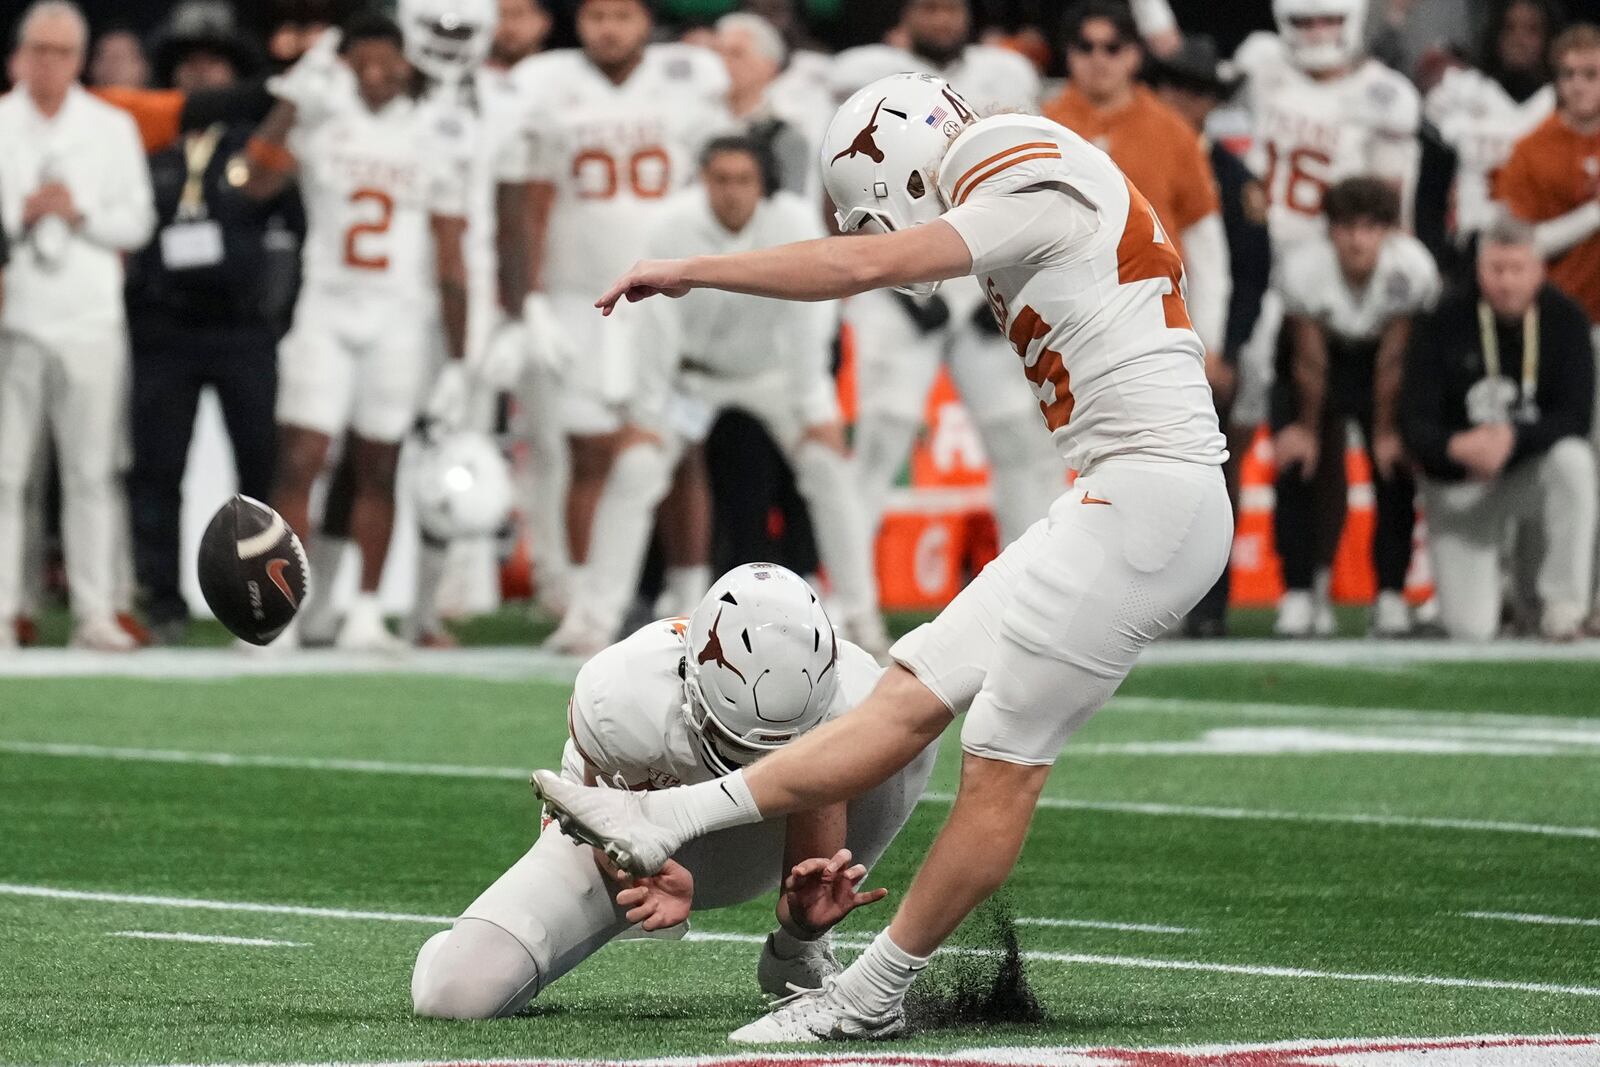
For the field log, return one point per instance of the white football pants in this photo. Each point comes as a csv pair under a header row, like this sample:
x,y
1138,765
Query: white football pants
x,y
544,484
642,475
553,908
1040,640
79,392
1467,523
896,364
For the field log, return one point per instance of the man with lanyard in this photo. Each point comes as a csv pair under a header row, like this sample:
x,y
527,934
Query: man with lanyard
x,y
1495,409
198,316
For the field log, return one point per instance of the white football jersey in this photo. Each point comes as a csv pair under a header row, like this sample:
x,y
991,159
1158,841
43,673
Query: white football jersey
x,y
1310,134
1088,289
367,186
615,152
991,79
1404,283
627,713
1482,123
476,140
734,335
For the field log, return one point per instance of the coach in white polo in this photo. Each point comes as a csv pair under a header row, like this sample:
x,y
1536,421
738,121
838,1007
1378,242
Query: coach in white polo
x,y
74,196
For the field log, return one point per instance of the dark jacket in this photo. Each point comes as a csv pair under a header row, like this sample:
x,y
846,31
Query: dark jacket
x,y
1445,360
1244,219
232,292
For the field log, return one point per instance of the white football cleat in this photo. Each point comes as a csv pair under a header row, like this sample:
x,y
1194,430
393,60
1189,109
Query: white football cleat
x,y
103,635
576,636
814,1015
611,820
1391,615
365,631
815,964
1296,609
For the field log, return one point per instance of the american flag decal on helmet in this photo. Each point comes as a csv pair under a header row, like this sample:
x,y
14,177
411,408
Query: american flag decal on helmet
x,y
936,116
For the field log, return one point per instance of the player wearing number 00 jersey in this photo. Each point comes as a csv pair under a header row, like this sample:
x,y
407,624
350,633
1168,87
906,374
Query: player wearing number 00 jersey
x,y
1090,292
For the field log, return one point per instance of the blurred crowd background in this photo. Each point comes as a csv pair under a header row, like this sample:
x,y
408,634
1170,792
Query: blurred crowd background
x,y
348,273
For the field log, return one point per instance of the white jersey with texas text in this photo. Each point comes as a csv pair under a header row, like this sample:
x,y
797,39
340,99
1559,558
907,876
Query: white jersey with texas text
x,y
615,152
627,713
1311,133
1482,123
367,190
1404,283
1087,288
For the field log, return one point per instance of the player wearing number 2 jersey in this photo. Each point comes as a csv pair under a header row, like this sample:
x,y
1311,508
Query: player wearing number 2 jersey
x,y
1090,292
356,358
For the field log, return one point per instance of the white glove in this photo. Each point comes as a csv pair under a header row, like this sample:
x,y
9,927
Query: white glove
x,y
447,405
548,342
312,84
498,365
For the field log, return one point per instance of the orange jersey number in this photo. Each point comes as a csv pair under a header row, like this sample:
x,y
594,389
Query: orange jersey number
x,y
1145,253
1303,186
1047,374
597,175
354,255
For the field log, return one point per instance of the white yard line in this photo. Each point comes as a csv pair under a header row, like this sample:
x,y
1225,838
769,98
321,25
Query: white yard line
x,y
1540,920
208,939
1076,958
228,759
1098,924
1352,818
445,770
526,663
52,893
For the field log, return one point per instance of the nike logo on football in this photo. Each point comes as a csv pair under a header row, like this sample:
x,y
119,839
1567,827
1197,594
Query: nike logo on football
x,y
1087,499
275,569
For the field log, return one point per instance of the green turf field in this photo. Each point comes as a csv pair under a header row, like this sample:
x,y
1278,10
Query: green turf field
x,y
1270,853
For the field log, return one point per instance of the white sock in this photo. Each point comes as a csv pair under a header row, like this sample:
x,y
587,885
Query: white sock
x,y
685,586
697,810
431,561
876,983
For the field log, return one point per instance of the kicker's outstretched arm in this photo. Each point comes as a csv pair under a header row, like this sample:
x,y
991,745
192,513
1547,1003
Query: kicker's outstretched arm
x,y
826,269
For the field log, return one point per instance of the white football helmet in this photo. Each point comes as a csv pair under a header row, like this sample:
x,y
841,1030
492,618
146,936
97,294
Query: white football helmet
x,y
448,39
762,665
881,154
462,486
1318,49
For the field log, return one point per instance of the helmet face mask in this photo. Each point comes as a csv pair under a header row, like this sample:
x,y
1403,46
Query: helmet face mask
x,y
1321,34
448,39
883,148
760,667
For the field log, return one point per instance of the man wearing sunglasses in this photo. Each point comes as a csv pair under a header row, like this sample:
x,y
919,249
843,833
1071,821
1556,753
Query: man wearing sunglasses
x,y
1553,180
686,701
1159,152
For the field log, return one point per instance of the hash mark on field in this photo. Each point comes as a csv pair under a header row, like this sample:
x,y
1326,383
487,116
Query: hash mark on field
x,y
228,759
1521,917
1136,962
208,939
1098,924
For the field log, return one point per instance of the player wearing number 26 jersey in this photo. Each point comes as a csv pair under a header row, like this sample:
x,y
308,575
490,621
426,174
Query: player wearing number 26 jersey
x,y
1089,291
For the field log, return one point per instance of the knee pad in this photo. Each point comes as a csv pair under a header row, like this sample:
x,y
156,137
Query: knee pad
x,y
475,970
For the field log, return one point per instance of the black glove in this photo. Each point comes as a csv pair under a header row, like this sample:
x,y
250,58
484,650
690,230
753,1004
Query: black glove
x,y
930,313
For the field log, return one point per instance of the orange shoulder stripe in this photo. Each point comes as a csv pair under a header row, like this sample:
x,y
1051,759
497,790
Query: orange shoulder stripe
x,y
1006,165
955,190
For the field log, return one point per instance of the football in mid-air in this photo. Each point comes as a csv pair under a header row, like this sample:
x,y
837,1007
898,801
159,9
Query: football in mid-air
x,y
253,570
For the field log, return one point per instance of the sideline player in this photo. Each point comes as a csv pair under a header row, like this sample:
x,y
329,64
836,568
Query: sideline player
x,y
356,357
687,700
715,351
902,338
1078,270
616,128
